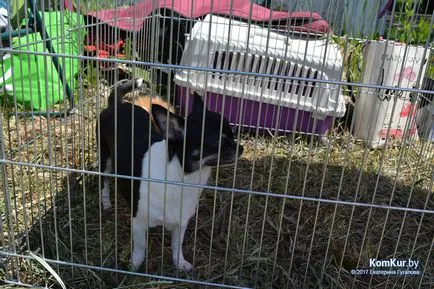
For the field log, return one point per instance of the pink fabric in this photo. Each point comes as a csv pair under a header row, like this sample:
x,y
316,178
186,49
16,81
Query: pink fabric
x,y
132,17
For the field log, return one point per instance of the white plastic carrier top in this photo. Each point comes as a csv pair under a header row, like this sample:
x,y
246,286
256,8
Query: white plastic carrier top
x,y
225,44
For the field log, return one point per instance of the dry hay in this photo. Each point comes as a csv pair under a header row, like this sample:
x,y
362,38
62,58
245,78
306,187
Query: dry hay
x,y
237,238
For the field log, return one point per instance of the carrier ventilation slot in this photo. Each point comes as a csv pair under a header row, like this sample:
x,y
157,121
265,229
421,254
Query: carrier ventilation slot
x,y
266,65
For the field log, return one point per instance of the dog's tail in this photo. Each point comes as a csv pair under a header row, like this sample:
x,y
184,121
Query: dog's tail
x,y
119,90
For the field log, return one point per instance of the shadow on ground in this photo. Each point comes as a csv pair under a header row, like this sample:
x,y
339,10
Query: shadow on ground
x,y
249,240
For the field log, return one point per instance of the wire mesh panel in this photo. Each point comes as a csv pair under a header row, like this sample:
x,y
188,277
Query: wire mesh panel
x,y
217,144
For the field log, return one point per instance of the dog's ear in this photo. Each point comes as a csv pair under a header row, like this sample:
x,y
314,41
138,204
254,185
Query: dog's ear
x,y
170,124
197,103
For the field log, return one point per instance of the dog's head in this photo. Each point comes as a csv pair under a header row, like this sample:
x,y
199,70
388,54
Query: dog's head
x,y
209,139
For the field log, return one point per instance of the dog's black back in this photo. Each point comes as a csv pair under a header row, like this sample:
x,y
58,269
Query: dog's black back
x,y
130,126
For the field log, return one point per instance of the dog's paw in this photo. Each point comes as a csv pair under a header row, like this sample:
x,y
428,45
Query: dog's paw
x,y
139,82
136,261
106,204
184,266
135,267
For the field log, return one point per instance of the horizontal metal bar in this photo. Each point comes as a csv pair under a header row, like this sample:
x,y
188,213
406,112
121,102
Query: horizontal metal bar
x,y
36,42
265,194
55,114
197,68
124,271
17,283
16,33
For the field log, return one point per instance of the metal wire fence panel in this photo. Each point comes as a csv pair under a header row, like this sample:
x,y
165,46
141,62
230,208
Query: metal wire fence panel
x,y
311,167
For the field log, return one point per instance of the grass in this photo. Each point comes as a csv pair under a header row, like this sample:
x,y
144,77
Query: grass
x,y
236,238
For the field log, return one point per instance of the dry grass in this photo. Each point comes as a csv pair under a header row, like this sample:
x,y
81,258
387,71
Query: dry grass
x,y
236,238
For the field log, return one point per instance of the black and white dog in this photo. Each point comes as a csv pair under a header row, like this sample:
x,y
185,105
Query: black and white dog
x,y
132,153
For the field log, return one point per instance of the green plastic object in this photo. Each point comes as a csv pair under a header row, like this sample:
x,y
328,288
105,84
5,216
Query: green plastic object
x,y
17,12
33,79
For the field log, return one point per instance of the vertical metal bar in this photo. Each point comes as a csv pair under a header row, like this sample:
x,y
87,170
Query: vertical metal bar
x,y
12,198
40,22
283,69
21,177
226,66
7,198
133,52
243,250
115,36
326,161
188,94
95,36
427,200
163,48
308,160
428,263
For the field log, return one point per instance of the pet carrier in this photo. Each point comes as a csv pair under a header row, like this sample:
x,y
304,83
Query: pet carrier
x,y
306,105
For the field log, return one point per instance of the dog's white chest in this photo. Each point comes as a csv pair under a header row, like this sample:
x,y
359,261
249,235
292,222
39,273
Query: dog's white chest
x,y
168,204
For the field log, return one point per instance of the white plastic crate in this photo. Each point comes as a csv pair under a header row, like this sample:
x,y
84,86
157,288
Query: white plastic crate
x,y
381,112
221,43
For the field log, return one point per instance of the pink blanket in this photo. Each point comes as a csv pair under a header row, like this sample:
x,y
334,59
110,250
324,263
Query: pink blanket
x,y
131,18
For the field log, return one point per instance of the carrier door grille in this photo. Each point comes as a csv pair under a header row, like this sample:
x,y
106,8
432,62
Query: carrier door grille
x,y
237,61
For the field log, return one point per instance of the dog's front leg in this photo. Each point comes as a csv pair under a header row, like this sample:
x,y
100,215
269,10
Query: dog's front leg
x,y
105,193
178,257
140,227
